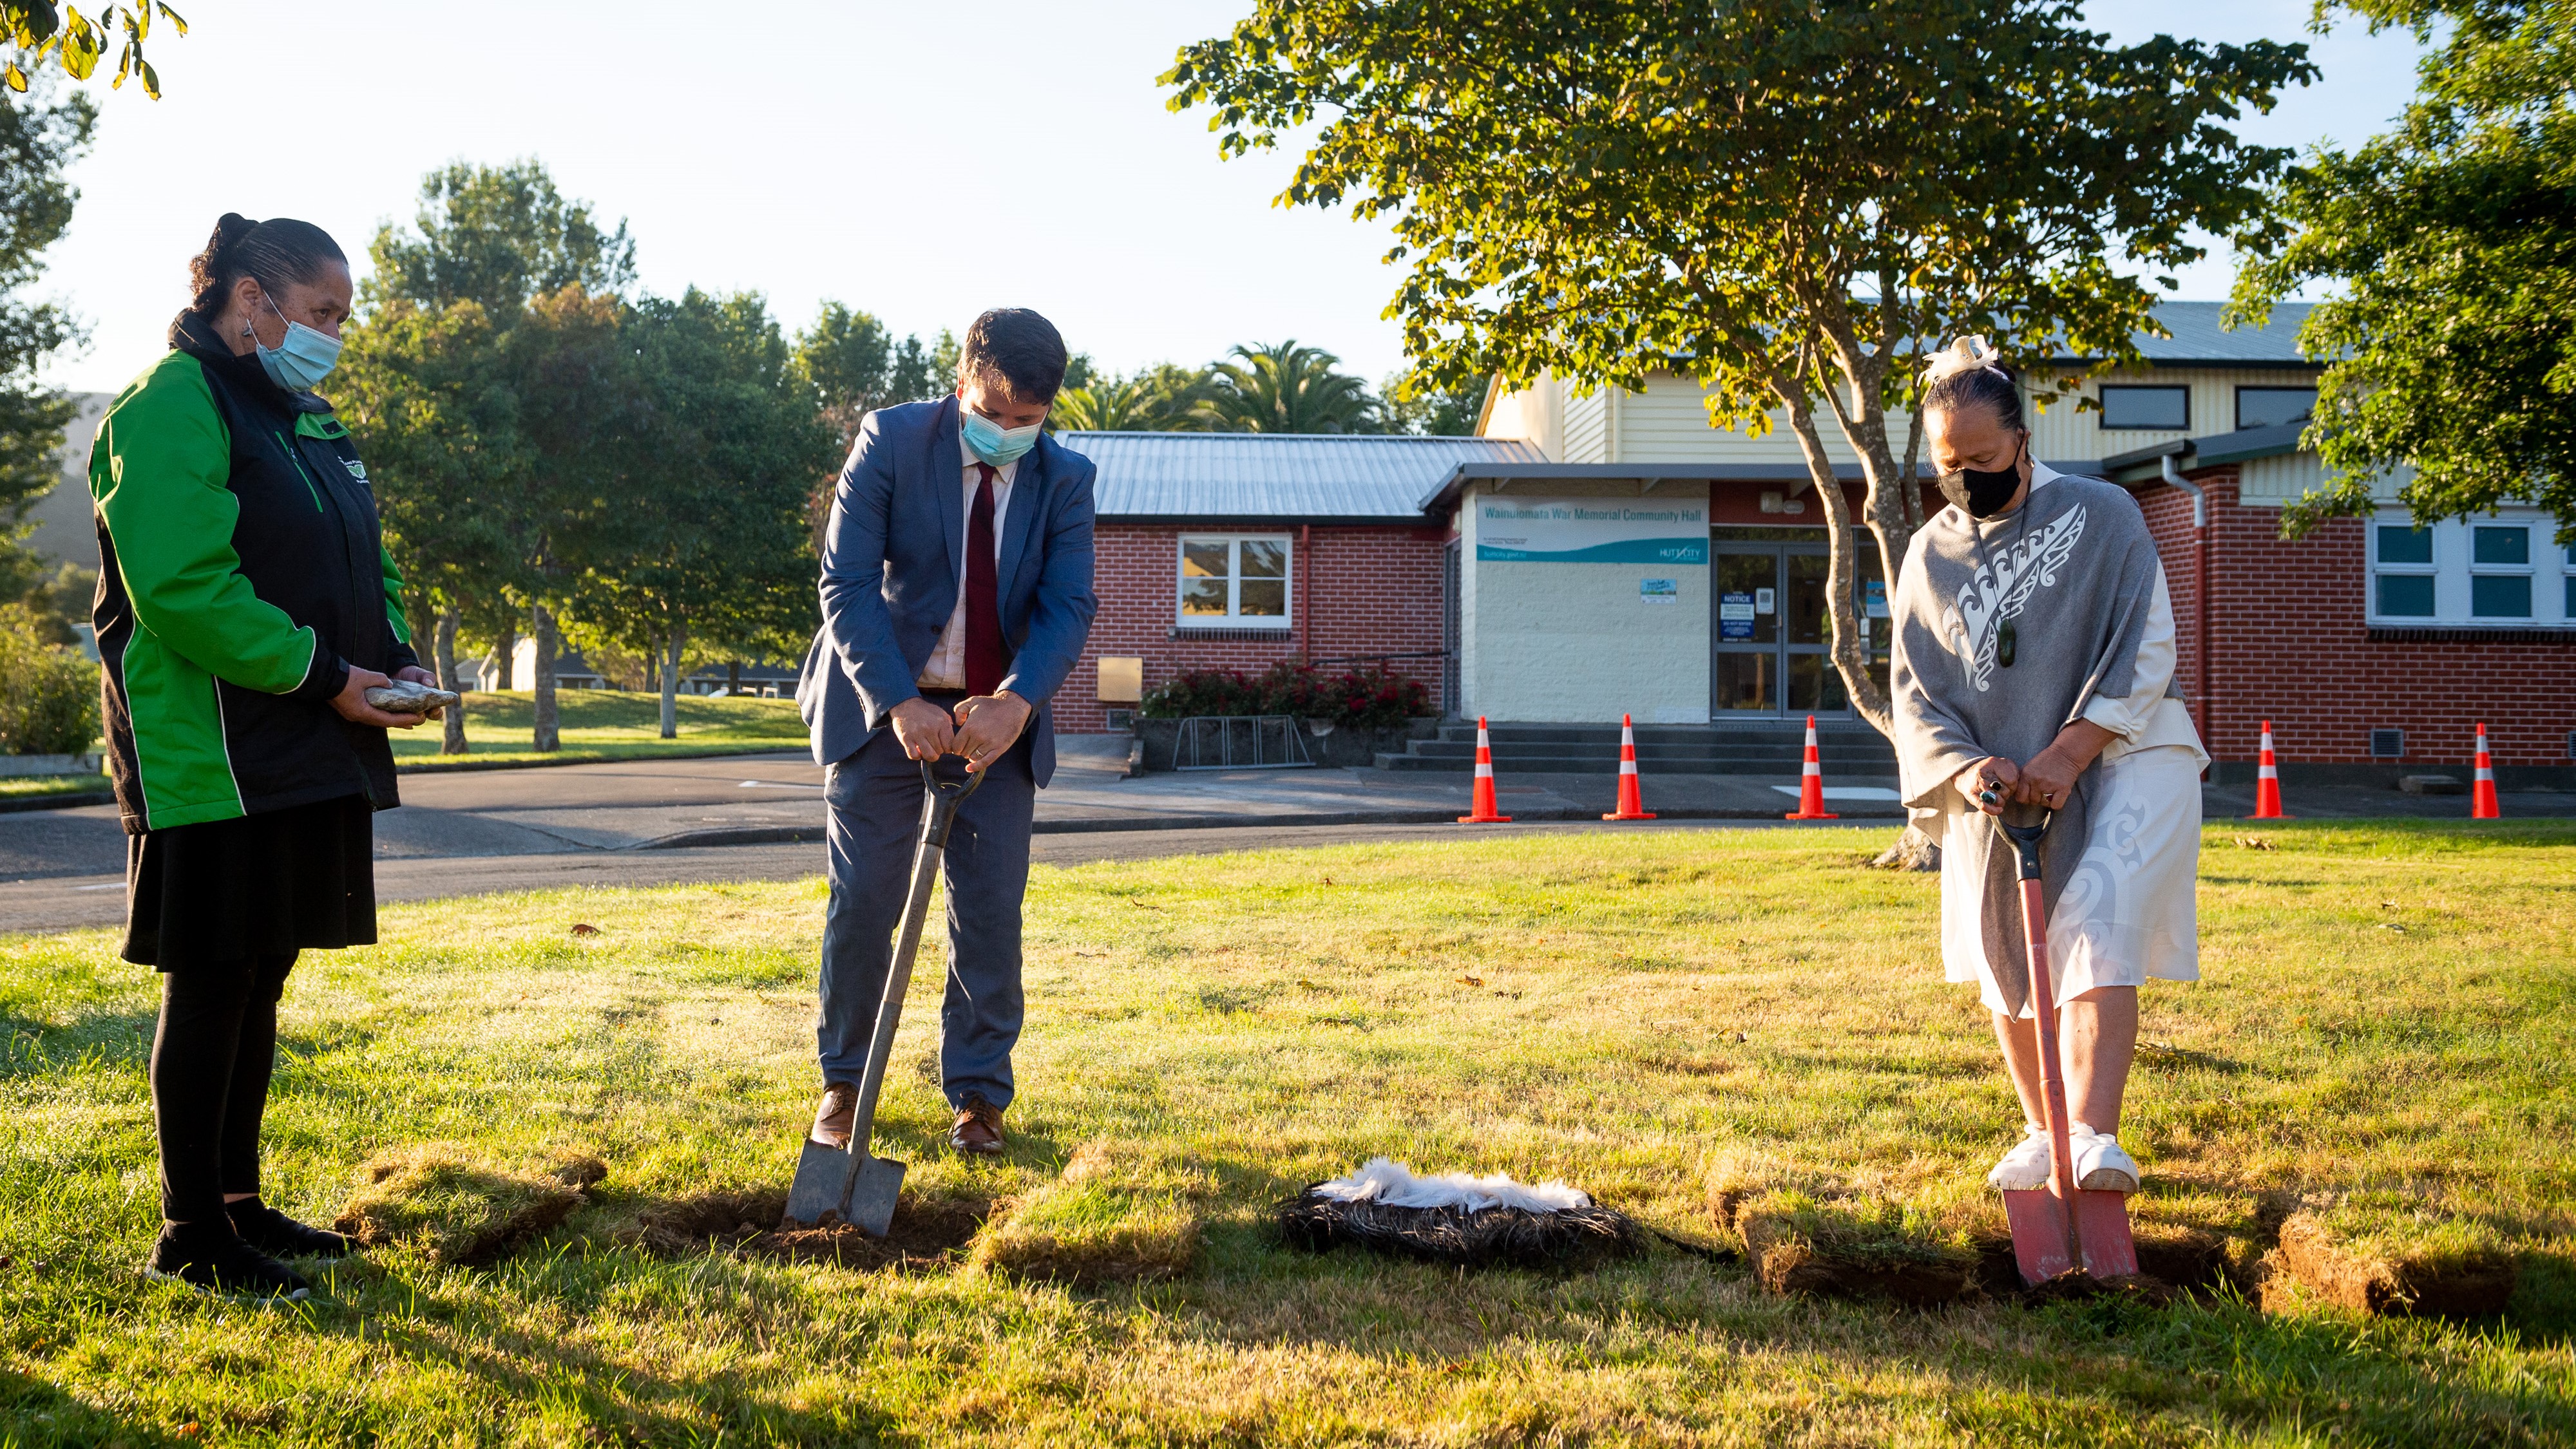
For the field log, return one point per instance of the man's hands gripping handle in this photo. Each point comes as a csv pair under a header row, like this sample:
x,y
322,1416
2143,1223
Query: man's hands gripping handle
x,y
981,729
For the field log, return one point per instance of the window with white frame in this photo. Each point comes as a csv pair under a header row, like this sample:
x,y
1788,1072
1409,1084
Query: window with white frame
x,y
2481,572
1234,581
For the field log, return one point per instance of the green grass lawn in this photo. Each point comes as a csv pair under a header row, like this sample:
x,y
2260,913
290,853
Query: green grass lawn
x,y
2383,1040
30,787
604,724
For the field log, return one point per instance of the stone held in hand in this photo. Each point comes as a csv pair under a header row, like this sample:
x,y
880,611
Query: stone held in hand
x,y
405,697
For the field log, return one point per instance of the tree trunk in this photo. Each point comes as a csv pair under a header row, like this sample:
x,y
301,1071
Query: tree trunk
x,y
671,681
733,678
1842,564
443,651
541,628
505,655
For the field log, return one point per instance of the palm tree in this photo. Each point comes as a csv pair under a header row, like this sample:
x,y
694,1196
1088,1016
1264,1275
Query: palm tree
x,y
1158,399
1286,388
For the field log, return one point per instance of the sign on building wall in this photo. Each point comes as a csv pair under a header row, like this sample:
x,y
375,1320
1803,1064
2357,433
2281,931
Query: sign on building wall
x,y
1590,530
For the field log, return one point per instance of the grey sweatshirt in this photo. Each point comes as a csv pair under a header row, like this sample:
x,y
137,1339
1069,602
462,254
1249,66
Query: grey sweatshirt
x,y
2074,571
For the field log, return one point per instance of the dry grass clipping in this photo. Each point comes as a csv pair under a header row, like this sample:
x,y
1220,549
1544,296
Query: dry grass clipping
x,y
460,1209
1120,1212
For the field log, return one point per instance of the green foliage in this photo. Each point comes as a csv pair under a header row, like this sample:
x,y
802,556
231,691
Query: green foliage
x,y
852,365
41,31
1285,388
39,140
1778,200
499,236
706,539
1158,399
1410,405
1370,697
2447,252
48,693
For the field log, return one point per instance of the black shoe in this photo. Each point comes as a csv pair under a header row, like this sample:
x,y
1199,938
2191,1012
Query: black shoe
x,y
279,1236
219,1262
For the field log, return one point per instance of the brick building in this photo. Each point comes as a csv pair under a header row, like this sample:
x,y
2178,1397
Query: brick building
x,y
1240,550
2373,647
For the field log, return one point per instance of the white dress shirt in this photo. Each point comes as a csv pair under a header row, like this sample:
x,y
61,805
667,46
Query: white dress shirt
x,y
947,666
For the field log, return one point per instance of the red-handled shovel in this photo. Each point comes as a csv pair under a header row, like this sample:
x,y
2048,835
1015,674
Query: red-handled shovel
x,y
2061,1226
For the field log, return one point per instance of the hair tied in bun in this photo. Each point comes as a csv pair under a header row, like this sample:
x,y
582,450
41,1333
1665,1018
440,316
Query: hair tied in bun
x,y
1967,354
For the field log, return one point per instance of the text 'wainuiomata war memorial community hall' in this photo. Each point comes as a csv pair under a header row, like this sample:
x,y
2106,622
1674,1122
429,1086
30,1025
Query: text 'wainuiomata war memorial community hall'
x,y
1589,556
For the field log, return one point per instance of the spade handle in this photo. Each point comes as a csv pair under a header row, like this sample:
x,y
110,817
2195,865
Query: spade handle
x,y
939,802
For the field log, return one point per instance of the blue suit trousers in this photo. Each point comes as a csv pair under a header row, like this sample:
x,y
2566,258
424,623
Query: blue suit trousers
x,y
875,798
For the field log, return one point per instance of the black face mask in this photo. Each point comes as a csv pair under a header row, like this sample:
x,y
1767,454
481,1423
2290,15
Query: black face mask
x,y
1982,492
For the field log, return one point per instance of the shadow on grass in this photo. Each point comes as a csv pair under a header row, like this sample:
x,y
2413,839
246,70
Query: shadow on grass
x,y
513,1364
36,1415
104,1038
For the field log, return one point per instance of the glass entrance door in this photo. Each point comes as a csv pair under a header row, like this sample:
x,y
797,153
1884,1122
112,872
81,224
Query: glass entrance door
x,y
1771,637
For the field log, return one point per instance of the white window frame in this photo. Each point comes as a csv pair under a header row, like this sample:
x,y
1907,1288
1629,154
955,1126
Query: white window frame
x,y
1234,617
2455,565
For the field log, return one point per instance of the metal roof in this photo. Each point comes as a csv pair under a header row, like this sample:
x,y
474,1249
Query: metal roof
x,y
1305,477
2198,339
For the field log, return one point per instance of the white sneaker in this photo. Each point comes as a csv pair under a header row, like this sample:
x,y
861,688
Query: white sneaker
x,y
2100,1165
2026,1166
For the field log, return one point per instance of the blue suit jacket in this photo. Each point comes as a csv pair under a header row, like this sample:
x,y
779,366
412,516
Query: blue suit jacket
x,y
891,559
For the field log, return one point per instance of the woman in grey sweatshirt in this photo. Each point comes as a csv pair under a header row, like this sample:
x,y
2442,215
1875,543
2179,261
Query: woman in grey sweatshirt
x,y
2033,665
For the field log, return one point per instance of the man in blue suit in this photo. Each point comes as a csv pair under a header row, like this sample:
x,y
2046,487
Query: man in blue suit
x,y
956,597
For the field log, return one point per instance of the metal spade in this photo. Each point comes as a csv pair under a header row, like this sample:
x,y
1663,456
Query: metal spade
x,y
850,1183
2061,1226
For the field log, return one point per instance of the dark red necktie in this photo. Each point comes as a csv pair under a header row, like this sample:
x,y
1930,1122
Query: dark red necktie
x,y
985,662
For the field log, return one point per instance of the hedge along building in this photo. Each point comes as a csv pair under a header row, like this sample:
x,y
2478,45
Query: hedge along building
x,y
2373,647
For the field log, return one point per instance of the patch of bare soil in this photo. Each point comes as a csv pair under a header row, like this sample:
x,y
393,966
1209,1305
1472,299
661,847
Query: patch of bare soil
x,y
2462,1287
927,1233
461,1209
1790,1256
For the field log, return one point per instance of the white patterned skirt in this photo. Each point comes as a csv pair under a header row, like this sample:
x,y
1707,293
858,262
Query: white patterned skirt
x,y
2132,910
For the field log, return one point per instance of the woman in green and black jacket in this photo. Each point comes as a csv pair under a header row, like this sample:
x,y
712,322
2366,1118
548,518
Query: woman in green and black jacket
x,y
245,606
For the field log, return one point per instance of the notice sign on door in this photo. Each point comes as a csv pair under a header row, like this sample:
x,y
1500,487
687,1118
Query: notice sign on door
x,y
1590,530
1659,591
1735,616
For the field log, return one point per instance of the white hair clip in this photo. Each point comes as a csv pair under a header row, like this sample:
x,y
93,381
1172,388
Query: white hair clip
x,y
1967,354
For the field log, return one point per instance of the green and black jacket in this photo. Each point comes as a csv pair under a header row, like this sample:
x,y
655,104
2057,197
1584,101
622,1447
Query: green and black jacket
x,y
241,574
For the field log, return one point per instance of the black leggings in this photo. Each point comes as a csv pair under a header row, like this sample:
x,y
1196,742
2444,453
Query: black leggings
x,y
210,1066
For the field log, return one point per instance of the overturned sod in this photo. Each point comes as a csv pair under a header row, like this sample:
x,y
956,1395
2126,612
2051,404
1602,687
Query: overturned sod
x,y
1631,1014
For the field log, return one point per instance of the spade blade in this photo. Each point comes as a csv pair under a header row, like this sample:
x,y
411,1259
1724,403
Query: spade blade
x,y
822,1187
2038,1223
2102,1221
872,1195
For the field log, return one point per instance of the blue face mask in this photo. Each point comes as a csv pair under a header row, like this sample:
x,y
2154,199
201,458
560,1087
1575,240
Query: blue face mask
x,y
994,443
301,359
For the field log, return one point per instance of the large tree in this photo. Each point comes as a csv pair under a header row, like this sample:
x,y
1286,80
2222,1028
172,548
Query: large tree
x,y
504,241
702,548
1788,203
2447,252
1285,388
39,138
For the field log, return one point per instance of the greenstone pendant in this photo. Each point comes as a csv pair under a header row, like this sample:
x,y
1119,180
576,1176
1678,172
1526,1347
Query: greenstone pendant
x,y
2004,645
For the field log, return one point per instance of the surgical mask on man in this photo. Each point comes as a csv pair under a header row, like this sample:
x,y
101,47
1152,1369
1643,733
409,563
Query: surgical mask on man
x,y
994,443
302,358
1982,492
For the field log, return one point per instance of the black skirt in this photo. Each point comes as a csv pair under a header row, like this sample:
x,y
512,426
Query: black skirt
x,y
269,884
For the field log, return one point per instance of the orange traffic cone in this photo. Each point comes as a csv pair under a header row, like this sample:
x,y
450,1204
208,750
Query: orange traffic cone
x,y
1632,805
1485,812
2482,796
1811,783
2267,782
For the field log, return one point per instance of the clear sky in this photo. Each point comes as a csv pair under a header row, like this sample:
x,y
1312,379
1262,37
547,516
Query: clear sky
x,y
922,162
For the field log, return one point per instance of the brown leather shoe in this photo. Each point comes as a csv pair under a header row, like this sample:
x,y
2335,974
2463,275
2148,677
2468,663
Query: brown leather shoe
x,y
834,1115
978,1128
